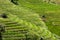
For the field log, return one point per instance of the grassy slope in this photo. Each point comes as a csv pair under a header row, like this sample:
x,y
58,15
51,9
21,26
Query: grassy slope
x,y
51,11
16,10
25,15
9,8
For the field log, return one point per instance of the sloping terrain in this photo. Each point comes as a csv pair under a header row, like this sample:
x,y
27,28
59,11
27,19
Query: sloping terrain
x,y
30,12
51,12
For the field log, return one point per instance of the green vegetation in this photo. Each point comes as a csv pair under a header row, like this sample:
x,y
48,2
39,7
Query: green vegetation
x,y
27,17
50,10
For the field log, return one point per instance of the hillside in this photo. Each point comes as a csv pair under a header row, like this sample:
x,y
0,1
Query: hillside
x,y
50,10
34,14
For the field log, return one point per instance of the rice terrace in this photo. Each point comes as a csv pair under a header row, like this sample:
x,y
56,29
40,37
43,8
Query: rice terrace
x,y
29,19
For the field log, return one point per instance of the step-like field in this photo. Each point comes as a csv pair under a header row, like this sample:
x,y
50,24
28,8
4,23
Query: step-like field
x,y
37,19
51,12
